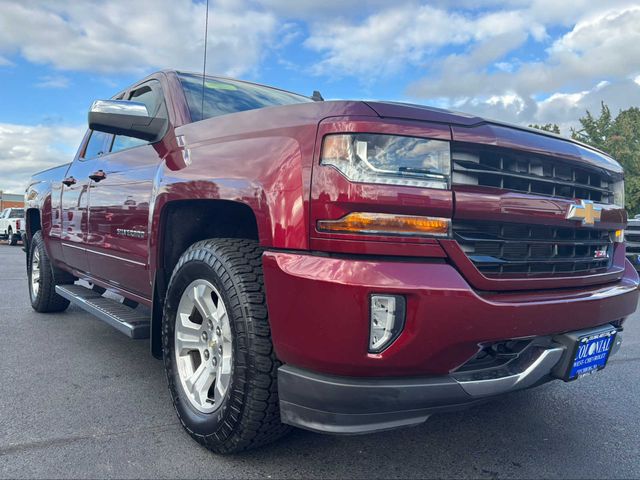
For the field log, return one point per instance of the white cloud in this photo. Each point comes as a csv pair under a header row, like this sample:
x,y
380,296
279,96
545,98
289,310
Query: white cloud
x,y
599,48
313,10
53,81
389,39
488,73
595,60
563,108
567,13
509,101
504,66
475,57
540,11
26,149
124,36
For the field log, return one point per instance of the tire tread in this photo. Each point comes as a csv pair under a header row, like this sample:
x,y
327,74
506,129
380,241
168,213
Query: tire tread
x,y
256,420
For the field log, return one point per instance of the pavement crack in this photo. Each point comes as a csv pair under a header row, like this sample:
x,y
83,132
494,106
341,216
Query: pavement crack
x,y
624,360
52,442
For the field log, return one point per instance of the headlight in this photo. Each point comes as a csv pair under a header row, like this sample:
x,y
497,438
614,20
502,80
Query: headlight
x,y
618,193
389,159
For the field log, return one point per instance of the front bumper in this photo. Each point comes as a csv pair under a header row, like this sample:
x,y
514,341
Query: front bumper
x,y
319,313
319,317
344,405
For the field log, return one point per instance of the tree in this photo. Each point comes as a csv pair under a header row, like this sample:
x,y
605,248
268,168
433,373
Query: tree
x,y
620,138
547,127
595,130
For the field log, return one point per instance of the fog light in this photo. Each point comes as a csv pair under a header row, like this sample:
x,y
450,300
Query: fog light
x,y
387,320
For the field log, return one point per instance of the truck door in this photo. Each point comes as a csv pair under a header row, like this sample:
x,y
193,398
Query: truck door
x,y
75,201
3,223
118,245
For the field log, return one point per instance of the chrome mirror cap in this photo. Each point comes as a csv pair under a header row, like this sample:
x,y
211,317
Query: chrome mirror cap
x,y
127,118
120,107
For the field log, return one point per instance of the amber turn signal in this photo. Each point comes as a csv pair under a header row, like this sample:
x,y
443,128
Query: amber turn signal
x,y
387,224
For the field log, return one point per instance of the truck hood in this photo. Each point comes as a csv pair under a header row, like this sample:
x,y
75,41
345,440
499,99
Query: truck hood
x,y
411,111
474,129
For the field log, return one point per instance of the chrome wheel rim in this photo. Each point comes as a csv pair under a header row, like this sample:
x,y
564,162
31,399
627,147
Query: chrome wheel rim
x,y
203,346
35,274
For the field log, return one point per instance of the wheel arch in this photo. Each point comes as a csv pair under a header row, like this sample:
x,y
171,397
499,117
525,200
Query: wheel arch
x,y
33,224
183,223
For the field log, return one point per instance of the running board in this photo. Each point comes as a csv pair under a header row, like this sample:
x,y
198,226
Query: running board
x,y
125,319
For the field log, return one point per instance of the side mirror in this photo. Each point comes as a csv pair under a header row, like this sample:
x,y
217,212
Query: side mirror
x,y
128,118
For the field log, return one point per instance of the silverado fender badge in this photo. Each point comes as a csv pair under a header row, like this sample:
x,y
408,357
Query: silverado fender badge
x,y
130,233
587,211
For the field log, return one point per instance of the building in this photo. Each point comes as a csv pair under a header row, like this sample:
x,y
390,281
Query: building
x,y
8,200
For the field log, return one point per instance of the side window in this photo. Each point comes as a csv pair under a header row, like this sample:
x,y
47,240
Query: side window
x,y
122,143
96,146
151,95
223,96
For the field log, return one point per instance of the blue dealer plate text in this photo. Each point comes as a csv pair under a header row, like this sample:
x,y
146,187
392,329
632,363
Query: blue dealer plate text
x,y
591,355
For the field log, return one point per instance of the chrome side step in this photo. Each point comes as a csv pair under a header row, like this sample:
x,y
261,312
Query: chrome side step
x,y
125,319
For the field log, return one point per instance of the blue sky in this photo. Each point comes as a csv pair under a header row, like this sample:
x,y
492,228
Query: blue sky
x,y
522,61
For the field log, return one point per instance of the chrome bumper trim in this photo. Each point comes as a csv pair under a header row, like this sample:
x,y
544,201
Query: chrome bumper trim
x,y
540,367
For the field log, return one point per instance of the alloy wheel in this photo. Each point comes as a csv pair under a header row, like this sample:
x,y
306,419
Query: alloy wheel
x,y
35,274
203,346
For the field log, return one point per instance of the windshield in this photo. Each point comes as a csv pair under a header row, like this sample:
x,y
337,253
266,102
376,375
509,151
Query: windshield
x,y
223,96
16,213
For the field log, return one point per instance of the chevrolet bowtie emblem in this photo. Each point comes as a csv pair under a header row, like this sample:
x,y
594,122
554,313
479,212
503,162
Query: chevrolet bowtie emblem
x,y
587,211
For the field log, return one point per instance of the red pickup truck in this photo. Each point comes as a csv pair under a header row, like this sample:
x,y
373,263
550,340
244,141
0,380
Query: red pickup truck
x,y
340,266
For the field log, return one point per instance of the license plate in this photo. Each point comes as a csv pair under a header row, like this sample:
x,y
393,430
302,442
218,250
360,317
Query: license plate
x,y
591,354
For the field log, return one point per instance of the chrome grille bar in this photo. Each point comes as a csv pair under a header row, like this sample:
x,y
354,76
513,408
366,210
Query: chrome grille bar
x,y
530,173
498,249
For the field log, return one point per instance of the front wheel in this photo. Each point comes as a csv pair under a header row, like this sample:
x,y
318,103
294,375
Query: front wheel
x,y
218,354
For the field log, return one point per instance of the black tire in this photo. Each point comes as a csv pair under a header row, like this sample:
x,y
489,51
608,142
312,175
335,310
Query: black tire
x,y
249,415
46,299
13,238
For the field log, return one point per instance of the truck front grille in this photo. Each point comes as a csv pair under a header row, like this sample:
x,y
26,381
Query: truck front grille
x,y
522,250
632,239
530,173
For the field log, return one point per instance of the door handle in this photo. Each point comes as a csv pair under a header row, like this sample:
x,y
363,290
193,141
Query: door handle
x,y
69,181
97,176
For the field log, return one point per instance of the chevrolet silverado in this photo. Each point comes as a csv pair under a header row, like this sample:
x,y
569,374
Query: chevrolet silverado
x,y
340,266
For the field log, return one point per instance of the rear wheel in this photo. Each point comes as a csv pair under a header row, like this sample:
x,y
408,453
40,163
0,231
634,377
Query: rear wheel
x,y
218,354
13,238
43,278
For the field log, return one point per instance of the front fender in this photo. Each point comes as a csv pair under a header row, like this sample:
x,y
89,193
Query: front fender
x,y
264,173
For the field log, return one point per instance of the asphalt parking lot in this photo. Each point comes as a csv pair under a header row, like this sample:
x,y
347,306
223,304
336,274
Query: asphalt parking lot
x,y
78,399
